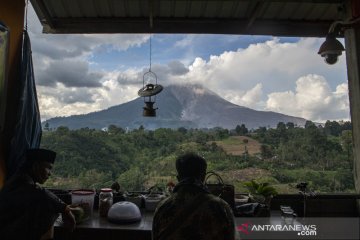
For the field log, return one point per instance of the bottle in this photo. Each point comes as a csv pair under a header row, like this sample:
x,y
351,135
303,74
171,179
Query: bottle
x,y
105,201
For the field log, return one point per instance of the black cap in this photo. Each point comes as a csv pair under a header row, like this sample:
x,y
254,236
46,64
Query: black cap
x,y
39,154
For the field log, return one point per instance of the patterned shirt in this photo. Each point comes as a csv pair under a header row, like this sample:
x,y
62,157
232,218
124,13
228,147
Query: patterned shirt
x,y
192,213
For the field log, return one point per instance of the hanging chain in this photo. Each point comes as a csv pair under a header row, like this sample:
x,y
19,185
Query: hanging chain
x,y
150,53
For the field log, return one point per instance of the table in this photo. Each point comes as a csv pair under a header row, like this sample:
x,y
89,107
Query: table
x,y
100,228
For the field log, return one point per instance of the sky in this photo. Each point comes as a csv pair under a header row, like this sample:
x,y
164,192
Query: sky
x,y
81,73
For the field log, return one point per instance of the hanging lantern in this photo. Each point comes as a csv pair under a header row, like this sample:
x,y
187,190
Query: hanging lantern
x,y
149,90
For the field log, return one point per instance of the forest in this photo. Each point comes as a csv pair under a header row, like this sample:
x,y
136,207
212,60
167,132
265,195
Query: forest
x,y
138,159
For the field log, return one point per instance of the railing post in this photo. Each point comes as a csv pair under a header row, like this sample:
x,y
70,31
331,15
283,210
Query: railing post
x,y
352,46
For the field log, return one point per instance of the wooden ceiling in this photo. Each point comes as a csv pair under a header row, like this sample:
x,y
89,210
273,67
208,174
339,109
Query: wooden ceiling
x,y
247,17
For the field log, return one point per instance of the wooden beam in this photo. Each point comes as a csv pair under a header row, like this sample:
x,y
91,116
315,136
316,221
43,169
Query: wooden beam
x,y
297,28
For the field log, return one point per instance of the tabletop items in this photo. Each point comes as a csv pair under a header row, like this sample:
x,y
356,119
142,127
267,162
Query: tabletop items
x,y
107,200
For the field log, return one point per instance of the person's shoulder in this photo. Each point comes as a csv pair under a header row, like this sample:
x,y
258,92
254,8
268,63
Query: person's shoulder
x,y
164,203
215,200
17,182
218,210
217,205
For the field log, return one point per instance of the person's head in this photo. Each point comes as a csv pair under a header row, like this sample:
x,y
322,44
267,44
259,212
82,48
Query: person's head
x,y
39,163
191,165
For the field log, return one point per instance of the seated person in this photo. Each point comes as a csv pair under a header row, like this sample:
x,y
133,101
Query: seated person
x,y
191,212
28,211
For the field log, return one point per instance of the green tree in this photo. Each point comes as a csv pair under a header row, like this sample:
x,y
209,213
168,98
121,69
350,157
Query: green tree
x,y
62,130
347,145
47,126
290,125
309,124
332,128
241,130
182,130
266,151
281,126
133,179
113,129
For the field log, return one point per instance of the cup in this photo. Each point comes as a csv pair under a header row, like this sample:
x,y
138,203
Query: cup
x,y
85,199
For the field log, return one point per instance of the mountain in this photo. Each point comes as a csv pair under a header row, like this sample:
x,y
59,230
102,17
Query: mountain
x,y
190,106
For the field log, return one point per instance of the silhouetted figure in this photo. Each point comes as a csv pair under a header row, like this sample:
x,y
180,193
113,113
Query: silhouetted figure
x,y
191,212
28,211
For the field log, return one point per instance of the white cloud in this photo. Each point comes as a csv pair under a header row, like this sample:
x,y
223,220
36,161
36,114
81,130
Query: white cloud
x,y
65,101
272,63
185,42
114,93
251,98
313,99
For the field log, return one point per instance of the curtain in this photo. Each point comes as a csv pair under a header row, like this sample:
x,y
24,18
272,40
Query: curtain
x,y
4,53
27,133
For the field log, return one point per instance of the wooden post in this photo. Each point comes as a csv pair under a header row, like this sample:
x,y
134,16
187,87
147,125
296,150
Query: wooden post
x,y
12,15
352,45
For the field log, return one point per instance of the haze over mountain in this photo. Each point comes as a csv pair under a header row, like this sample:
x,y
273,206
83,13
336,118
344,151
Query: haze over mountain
x,y
190,106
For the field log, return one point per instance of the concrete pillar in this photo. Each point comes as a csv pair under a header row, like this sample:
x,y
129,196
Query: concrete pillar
x,y
12,14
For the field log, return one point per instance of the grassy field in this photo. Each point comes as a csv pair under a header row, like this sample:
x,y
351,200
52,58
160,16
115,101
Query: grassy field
x,y
235,145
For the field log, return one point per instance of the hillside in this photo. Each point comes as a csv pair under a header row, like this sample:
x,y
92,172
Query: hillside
x,y
139,159
235,145
190,106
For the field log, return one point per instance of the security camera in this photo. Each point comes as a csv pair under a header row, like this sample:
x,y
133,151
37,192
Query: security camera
x,y
331,49
331,57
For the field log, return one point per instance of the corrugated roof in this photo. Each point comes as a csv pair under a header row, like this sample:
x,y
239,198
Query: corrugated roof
x,y
266,17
